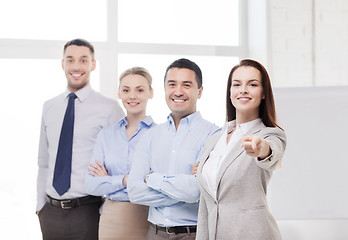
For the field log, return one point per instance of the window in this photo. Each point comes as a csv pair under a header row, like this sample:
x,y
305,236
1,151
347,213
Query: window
x,y
181,22
53,20
31,47
28,82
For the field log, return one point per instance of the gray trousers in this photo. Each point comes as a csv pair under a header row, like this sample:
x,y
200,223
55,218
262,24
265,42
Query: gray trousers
x,y
69,224
152,234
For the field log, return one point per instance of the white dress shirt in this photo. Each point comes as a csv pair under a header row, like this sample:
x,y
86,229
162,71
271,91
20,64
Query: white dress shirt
x,y
93,111
222,149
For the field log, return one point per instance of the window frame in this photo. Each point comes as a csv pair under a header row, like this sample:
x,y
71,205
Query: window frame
x,y
107,52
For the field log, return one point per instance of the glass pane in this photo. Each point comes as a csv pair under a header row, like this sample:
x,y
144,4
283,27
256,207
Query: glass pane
x,y
25,84
182,22
53,20
215,72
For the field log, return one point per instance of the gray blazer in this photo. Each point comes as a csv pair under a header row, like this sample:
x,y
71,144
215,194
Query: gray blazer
x,y
240,211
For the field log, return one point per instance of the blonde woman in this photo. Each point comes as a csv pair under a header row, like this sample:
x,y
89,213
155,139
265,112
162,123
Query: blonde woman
x,y
110,165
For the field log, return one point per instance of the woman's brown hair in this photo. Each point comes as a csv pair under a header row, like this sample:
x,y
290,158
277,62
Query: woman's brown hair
x,y
267,111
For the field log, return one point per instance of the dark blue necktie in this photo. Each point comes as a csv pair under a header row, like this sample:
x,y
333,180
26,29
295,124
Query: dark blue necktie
x,y
62,169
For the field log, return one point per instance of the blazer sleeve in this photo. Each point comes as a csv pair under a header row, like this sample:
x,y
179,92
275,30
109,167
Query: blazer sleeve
x,y
277,142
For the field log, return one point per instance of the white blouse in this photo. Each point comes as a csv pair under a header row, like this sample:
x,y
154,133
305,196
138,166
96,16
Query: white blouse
x,y
222,148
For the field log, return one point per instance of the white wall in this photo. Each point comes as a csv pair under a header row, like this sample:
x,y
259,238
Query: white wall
x,y
308,195
308,46
308,42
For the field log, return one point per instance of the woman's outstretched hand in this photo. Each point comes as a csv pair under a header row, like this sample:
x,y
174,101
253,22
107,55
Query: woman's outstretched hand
x,y
255,146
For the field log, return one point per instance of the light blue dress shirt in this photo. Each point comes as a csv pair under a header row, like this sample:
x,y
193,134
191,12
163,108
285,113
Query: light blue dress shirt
x,y
113,150
171,191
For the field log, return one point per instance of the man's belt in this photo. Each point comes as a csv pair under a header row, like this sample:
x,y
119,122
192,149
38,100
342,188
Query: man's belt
x,y
75,202
176,230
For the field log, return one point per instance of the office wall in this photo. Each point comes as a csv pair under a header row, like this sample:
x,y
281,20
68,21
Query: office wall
x,y
308,42
308,46
311,187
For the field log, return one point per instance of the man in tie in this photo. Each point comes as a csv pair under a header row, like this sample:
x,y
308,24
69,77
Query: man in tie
x,y
164,165
69,127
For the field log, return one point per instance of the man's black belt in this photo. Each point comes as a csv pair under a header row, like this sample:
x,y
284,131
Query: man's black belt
x,y
176,230
75,202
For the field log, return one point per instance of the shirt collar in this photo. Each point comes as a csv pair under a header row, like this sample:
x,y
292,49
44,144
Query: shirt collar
x,y
188,119
81,93
146,121
122,122
244,127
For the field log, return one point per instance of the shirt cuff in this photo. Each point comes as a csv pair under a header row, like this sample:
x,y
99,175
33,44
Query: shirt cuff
x,y
117,180
154,181
267,159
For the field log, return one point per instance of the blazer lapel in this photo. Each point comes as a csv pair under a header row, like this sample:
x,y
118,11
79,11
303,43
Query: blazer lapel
x,y
235,152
